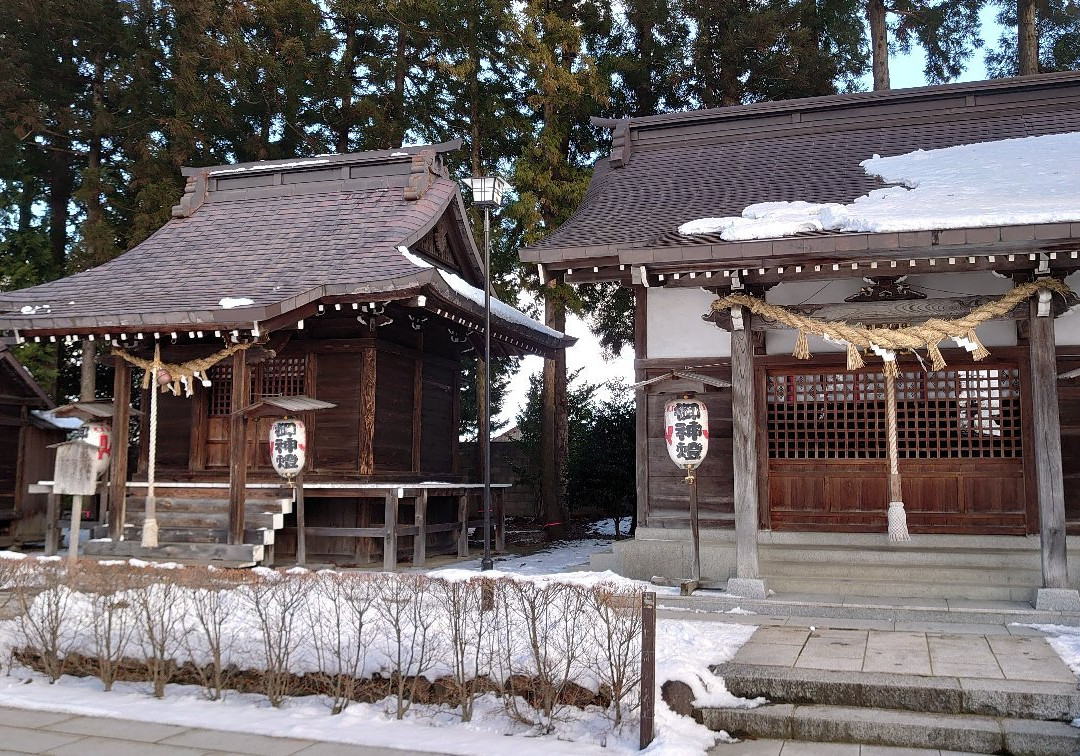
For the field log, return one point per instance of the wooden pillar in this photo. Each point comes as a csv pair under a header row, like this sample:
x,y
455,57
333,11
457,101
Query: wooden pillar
x,y
498,498
301,535
238,446
463,518
367,412
1046,435
390,538
641,405
118,465
744,450
52,525
363,544
419,551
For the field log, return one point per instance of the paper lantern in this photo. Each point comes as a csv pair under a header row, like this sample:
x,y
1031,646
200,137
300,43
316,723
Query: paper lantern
x,y
288,447
98,436
686,431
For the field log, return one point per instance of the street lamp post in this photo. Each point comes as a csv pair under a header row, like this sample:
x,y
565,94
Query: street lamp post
x,y
487,193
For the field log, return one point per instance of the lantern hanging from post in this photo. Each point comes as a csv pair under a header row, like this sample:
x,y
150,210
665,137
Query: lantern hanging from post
x,y
288,447
686,431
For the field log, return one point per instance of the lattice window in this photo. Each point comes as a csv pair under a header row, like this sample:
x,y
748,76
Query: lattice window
x,y
280,376
949,413
220,399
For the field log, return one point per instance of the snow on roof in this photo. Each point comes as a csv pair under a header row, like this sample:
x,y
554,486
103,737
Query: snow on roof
x,y
65,423
1002,183
499,308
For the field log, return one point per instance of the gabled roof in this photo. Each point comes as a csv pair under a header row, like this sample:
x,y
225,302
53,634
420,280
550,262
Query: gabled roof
x,y
253,242
16,381
666,170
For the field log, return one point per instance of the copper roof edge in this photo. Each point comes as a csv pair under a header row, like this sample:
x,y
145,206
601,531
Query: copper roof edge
x,y
313,161
840,101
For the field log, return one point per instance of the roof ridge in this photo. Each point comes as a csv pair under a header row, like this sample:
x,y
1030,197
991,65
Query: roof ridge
x,y
838,101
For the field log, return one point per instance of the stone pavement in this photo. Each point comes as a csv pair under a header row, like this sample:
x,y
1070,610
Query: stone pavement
x,y
933,654
25,731
797,748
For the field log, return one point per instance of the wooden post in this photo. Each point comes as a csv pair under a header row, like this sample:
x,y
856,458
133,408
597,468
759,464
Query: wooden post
x,y
118,464
390,539
52,520
366,463
87,372
463,518
695,531
499,503
237,445
419,550
744,450
363,545
1046,435
648,668
641,406
301,536
73,531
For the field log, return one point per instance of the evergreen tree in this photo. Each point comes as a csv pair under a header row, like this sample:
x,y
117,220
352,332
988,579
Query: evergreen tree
x,y
1054,45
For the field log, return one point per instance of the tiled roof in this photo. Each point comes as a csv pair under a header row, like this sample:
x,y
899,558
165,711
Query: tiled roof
x,y
273,237
667,170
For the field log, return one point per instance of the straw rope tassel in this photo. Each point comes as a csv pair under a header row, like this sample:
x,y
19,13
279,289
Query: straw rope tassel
x,y
897,518
150,527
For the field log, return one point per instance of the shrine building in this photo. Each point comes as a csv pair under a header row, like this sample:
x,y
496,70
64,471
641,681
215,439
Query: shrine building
x,y
342,291
801,266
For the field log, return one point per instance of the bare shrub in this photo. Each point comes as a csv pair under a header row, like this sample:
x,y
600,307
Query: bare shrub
x,y
208,644
45,621
468,636
161,612
616,633
338,615
408,633
542,625
112,616
276,602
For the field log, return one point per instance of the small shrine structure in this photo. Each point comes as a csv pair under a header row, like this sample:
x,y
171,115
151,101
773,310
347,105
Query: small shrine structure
x,y
341,290
885,279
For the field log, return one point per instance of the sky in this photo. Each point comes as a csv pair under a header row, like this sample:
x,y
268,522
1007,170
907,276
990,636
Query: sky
x,y
904,71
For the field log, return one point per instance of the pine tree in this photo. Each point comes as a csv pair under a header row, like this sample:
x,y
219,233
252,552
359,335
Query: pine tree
x,y
1053,40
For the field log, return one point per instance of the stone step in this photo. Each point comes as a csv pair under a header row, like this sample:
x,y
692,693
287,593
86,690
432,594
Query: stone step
x,y
889,727
846,586
217,520
210,506
238,554
263,536
901,557
1024,699
1026,576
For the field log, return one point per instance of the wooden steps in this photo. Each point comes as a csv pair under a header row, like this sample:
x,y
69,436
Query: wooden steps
x,y
195,529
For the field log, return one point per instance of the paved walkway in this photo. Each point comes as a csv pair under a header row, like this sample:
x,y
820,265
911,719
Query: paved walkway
x,y
931,654
25,731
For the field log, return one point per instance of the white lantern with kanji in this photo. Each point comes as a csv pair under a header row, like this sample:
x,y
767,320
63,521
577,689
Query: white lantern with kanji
x,y
97,435
288,447
686,431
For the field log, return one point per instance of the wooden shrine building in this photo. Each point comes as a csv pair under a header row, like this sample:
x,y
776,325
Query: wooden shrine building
x,y
29,429
341,290
796,486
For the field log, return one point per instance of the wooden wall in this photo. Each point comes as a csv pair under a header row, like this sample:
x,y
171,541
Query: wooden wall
x,y
669,502
401,368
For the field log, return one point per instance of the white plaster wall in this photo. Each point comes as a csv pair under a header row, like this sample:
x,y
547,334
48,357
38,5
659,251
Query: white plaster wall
x,y
1067,327
996,333
675,328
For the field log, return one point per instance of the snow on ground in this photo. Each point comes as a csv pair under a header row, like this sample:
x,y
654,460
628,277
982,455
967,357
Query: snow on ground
x,y
686,650
1007,182
607,527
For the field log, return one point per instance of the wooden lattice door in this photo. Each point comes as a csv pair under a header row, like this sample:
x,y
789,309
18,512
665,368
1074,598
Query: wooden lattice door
x,y
960,447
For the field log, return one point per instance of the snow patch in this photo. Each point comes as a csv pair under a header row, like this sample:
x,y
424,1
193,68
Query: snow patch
x,y
228,303
499,308
1006,182
268,167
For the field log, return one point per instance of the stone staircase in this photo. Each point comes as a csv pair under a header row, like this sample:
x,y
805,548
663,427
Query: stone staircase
x,y
999,694
196,529
1001,568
